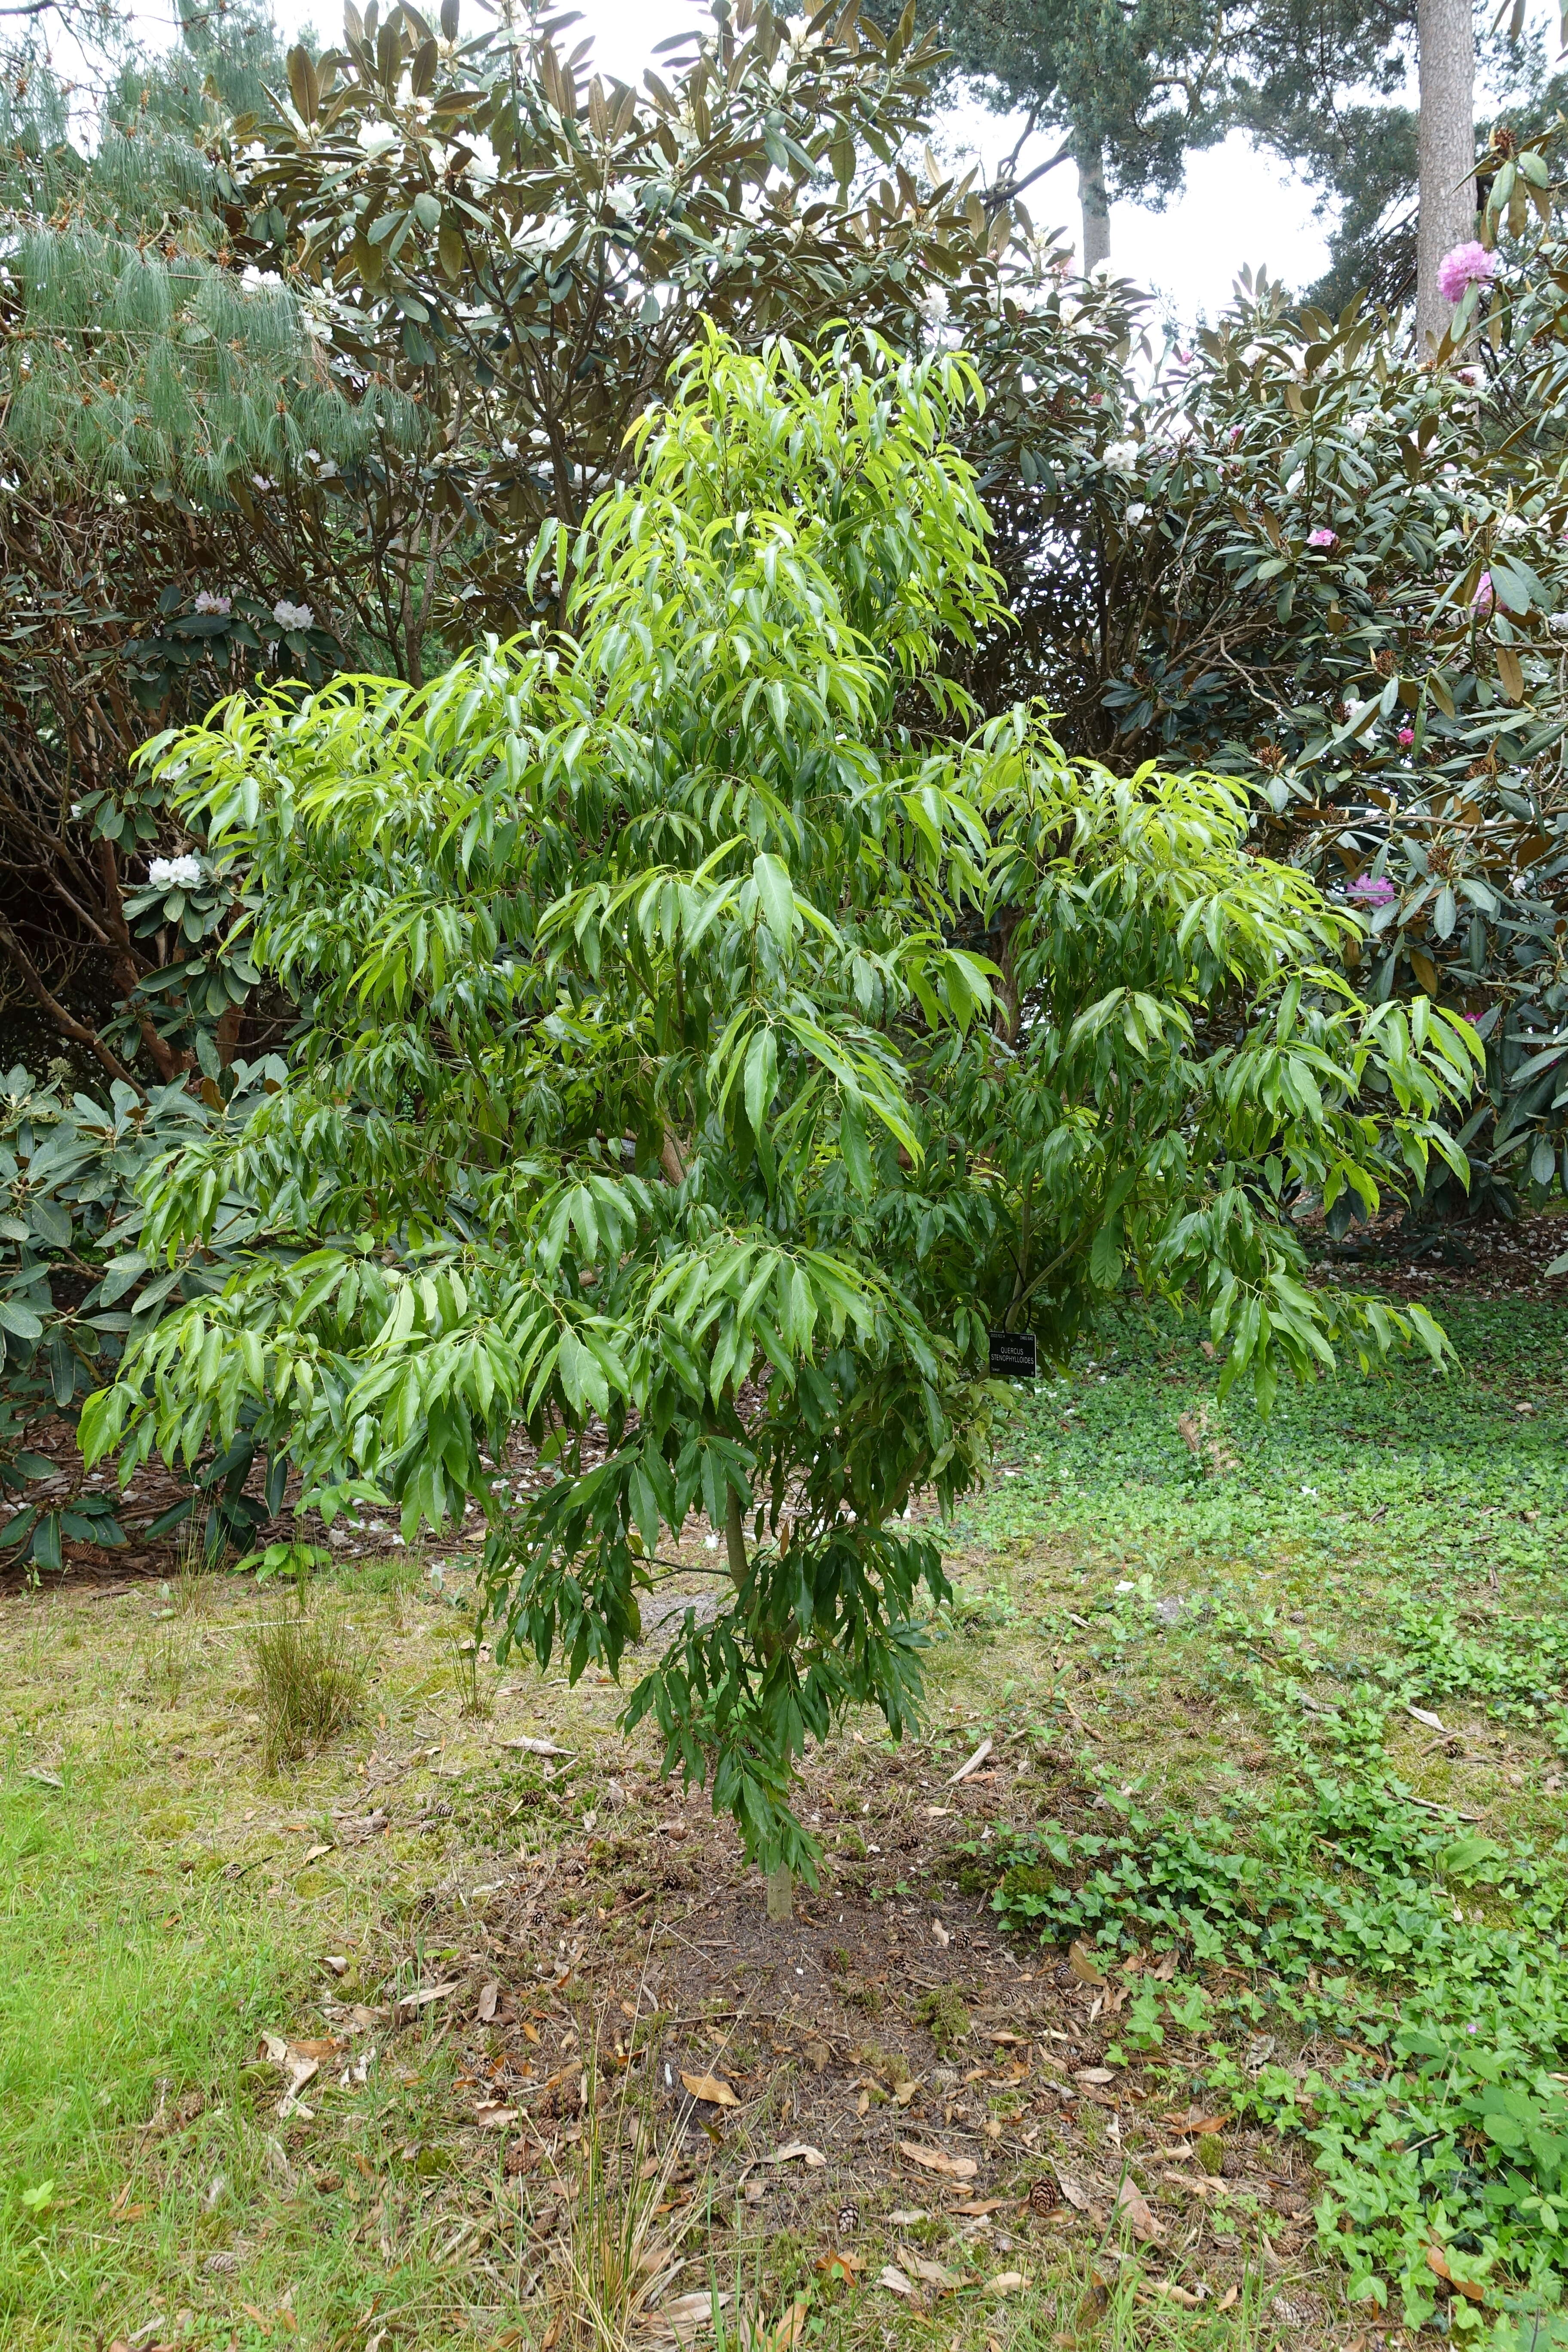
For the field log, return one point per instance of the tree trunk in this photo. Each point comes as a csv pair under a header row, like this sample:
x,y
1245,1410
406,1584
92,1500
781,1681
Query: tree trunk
x,y
780,1894
1096,205
1446,32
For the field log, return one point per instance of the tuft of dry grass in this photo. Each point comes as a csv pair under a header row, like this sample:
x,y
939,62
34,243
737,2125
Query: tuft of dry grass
x,y
617,2253
310,1674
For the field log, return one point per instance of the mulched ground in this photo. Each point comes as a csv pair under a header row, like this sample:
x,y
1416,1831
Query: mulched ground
x,y
936,2067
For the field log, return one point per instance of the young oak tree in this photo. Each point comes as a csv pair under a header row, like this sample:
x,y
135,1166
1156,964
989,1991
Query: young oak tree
x,y
708,1035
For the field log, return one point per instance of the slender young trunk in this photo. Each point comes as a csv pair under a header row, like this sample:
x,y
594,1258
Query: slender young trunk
x,y
780,1883
1445,33
1095,204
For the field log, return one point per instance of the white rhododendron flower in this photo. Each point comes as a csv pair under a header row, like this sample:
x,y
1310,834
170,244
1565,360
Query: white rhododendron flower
x,y
1121,456
292,616
376,139
176,873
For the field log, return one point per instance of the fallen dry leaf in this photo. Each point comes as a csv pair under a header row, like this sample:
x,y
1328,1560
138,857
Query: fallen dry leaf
x,y
937,2160
1424,1715
1094,2074
494,2115
842,2264
904,2091
974,1764
686,2317
1227,2299
1169,2292
1083,1964
1130,2199
337,1962
894,2280
418,1999
489,1994
939,1935
711,2089
315,1853
932,2272
976,2208
788,2331
1007,2282
812,2157
1436,2259
1073,2191
535,1747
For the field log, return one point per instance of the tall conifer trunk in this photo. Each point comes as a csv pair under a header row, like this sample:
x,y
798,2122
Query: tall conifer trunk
x,y
1095,204
1447,35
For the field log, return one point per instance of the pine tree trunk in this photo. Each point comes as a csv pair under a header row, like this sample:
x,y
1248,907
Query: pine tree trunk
x,y
1096,205
1447,36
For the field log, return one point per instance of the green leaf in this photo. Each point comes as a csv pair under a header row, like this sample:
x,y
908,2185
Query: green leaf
x,y
777,897
852,1142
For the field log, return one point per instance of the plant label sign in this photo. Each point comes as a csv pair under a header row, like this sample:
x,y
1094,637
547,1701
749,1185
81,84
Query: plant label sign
x,y
1012,1356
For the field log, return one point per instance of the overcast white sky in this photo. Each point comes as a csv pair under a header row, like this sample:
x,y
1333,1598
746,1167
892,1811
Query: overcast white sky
x,y
1237,207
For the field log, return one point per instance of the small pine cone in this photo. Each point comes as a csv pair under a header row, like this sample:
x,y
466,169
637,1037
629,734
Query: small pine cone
x,y
848,2219
1042,2198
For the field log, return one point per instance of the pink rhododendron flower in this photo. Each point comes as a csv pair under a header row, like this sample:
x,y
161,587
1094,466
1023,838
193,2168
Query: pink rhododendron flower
x,y
1406,736
1375,889
1484,596
1468,265
1323,536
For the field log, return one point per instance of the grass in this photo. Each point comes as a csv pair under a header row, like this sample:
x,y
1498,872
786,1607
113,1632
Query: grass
x,y
311,1669
1140,1619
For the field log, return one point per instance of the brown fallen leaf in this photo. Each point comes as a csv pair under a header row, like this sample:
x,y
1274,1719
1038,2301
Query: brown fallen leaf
x,y
423,1993
974,2209
841,2263
931,2272
711,2089
337,1962
1227,2299
1436,2259
894,2280
687,2316
494,2115
1083,1964
1008,2283
1095,2075
811,2156
1169,2292
1073,2191
904,2091
536,1746
974,1764
937,2160
489,1994
1130,2199
788,2330
315,1853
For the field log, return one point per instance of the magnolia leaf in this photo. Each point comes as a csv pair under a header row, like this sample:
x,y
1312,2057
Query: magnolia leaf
x,y
711,2089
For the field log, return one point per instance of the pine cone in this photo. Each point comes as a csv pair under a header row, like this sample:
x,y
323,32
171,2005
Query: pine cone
x,y
1042,2198
848,2219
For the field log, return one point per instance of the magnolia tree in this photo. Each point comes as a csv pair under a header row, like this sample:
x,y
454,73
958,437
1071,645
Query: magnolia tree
x,y
710,1034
